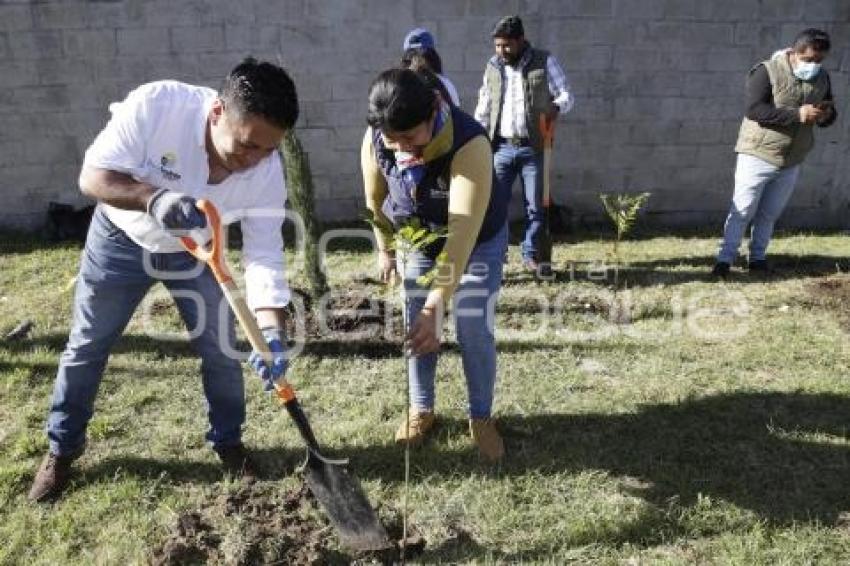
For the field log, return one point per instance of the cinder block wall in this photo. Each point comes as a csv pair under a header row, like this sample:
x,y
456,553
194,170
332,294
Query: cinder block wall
x,y
659,87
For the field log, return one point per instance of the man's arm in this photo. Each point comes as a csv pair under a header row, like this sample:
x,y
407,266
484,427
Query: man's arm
x,y
482,109
559,86
760,105
828,106
115,189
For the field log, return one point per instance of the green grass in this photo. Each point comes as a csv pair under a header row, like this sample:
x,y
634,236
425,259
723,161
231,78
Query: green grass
x,y
710,428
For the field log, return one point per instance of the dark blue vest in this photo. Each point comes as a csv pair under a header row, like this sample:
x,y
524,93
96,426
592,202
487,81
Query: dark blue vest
x,y
431,202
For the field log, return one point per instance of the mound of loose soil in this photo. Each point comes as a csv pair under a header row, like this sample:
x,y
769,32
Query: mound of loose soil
x,y
257,525
344,312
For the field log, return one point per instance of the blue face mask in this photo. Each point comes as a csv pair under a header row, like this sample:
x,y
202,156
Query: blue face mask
x,y
806,71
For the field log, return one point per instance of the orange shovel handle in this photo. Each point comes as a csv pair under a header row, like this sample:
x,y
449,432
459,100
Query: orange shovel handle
x,y
214,255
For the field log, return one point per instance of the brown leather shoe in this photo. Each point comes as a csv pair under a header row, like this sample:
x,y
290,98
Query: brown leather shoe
x,y
421,423
491,448
52,477
237,461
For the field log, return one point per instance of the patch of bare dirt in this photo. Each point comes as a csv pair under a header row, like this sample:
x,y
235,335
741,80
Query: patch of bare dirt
x,y
831,293
258,525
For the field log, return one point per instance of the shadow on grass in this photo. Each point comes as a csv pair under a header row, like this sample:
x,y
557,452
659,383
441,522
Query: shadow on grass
x,y
675,271
784,456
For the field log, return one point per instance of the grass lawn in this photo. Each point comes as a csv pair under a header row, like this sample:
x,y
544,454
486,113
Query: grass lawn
x,y
707,424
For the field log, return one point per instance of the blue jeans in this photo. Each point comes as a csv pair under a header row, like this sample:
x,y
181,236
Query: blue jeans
x,y
473,306
509,162
761,192
111,283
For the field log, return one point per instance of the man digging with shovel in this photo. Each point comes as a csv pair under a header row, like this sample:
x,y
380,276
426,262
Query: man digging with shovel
x,y
165,146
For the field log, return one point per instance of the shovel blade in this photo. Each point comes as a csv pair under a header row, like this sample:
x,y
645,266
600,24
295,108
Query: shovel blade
x,y
340,495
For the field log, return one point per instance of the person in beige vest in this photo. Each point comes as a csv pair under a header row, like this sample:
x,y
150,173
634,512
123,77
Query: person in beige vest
x,y
787,96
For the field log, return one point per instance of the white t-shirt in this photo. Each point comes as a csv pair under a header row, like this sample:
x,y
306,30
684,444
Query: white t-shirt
x,y
157,135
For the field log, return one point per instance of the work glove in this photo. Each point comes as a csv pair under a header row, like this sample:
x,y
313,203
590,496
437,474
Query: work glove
x,y
175,212
275,338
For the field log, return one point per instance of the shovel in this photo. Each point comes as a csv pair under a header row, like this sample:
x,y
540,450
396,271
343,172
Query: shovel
x,y
338,492
547,130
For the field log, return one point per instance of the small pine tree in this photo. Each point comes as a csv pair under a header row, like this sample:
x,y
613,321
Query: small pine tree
x,y
300,184
622,209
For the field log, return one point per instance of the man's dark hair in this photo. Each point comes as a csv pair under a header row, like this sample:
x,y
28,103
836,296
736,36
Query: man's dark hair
x,y
814,38
399,100
430,55
262,89
509,27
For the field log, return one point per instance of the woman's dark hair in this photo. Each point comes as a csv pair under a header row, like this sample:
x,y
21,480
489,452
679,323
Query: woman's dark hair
x,y
814,38
430,55
399,100
263,89
419,65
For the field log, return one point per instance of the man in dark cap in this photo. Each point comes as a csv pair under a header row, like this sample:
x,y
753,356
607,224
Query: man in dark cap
x,y
521,84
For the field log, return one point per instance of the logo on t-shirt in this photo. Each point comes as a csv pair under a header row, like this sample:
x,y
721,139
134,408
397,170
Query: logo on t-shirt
x,y
167,163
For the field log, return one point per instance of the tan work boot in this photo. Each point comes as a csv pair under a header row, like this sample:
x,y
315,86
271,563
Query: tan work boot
x,y
487,438
421,423
51,478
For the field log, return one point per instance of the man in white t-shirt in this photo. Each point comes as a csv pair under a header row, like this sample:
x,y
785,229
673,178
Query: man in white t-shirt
x,y
166,145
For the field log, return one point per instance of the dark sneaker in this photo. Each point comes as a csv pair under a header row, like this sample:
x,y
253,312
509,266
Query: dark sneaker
x,y
721,269
237,462
541,270
759,266
52,477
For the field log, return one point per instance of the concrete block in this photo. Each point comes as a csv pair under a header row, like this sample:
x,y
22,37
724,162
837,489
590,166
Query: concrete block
x,y
716,156
15,18
349,86
782,10
701,132
334,11
145,41
35,44
165,13
638,59
53,150
399,12
376,31
348,138
215,66
713,84
727,10
61,15
651,132
495,9
105,15
640,10
247,38
18,73
730,59
279,11
674,155
439,9
90,43
64,71
827,10
756,35
197,39
589,57
38,98
587,32
228,12
676,34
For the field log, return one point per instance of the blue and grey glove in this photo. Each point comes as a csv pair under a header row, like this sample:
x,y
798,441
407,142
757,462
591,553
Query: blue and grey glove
x,y
275,338
175,212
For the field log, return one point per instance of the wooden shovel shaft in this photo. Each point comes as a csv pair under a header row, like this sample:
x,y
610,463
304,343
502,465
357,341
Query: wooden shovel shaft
x,y
214,258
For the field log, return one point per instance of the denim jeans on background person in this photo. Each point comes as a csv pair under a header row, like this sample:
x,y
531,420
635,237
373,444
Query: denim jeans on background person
x,y
510,161
761,192
473,306
111,283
